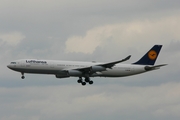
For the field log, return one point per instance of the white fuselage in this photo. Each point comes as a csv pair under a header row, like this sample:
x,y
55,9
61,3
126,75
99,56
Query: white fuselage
x,y
56,68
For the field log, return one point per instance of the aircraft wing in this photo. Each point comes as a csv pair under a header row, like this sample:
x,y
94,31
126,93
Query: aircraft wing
x,y
111,64
100,67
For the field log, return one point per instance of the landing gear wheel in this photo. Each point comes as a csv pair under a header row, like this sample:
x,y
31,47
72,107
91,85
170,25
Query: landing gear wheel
x,y
83,83
79,81
90,82
87,79
23,77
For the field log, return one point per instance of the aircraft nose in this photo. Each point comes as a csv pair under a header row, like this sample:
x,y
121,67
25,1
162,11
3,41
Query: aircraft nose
x,y
9,66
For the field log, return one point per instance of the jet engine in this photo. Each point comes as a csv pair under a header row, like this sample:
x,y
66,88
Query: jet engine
x,y
62,76
75,73
97,68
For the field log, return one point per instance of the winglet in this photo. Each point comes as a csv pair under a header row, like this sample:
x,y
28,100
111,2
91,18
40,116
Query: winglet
x,y
127,58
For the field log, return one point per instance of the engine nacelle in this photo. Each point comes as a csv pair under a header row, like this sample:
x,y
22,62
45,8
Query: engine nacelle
x,y
75,73
62,76
97,68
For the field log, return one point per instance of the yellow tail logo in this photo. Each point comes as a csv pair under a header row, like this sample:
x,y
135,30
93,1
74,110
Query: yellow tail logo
x,y
152,55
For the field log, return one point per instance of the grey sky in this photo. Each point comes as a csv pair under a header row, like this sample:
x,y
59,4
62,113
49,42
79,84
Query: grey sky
x,y
89,31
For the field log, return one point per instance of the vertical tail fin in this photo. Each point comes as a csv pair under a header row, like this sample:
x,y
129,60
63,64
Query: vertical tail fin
x,y
150,57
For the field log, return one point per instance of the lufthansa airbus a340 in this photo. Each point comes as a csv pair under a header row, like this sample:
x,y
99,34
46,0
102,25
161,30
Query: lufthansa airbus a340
x,y
64,69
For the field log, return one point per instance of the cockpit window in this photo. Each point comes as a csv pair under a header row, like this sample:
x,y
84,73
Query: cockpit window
x,y
13,62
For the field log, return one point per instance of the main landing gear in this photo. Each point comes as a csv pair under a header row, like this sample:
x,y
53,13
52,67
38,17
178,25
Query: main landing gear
x,y
22,77
86,80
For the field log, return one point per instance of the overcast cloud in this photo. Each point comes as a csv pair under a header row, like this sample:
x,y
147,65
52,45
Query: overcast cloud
x,y
90,30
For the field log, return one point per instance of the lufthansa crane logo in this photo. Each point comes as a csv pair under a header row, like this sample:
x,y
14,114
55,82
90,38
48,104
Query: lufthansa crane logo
x,y
152,55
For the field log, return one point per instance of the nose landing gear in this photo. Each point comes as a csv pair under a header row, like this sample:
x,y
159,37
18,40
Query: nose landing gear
x,y
22,77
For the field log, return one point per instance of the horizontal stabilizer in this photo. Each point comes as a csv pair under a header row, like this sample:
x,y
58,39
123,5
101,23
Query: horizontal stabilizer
x,y
148,68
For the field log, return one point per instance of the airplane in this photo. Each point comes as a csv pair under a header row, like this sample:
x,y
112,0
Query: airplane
x,y
65,69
